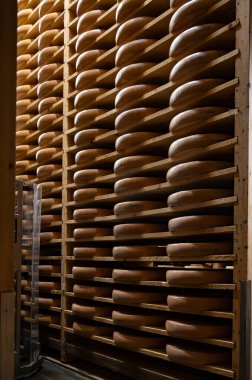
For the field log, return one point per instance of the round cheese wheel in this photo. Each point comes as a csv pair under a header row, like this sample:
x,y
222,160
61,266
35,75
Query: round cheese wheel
x,y
48,71
22,105
48,285
80,252
198,277
46,319
129,185
136,319
47,302
85,175
84,137
22,149
88,19
45,121
91,232
86,39
129,229
46,22
198,303
129,73
25,298
130,207
187,42
47,170
22,61
23,15
199,249
134,116
49,186
22,165
90,330
191,92
127,53
48,269
91,291
47,220
23,90
84,6
129,297
88,58
24,283
197,329
198,61
47,236
21,135
87,96
87,78
198,222
49,202
85,117
47,137
84,272
89,193
26,177
193,169
127,140
136,340
129,28
22,4
47,87
46,153
47,53
90,310
44,6
125,9
194,118
46,38
23,30
185,197
22,76
47,103
22,121
90,154
189,144
124,252
136,275
132,162
131,94
86,213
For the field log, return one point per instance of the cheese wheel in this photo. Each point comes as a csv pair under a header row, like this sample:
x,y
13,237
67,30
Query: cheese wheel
x,y
80,252
188,41
22,165
49,186
187,145
129,73
91,232
48,236
127,140
22,4
48,87
136,340
48,285
129,229
90,310
90,330
129,185
22,30
129,297
199,249
136,319
23,15
22,105
47,302
129,28
198,277
127,53
86,272
22,121
47,103
45,6
48,71
49,202
125,208
46,138
182,72
87,96
131,94
45,121
84,137
86,39
26,177
124,252
88,58
47,220
85,175
46,54
88,19
85,117
89,193
47,319
85,5
198,222
46,38
198,303
133,116
193,92
194,118
197,329
90,154
132,162
47,170
185,197
177,3
47,153
136,275
48,269
22,76
87,78
46,22
23,90
125,9
22,135
22,61
91,291
25,298
22,149
86,213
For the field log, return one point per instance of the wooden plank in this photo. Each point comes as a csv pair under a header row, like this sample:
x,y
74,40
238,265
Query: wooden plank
x,y
7,324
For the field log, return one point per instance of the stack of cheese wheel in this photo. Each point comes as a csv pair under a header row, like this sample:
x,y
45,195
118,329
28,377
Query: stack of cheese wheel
x,y
193,157
26,106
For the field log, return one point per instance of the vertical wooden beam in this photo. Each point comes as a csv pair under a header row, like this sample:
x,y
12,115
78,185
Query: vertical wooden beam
x,y
7,324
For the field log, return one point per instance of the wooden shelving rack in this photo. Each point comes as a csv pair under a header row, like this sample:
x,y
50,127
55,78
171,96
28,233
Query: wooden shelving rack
x,y
89,113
